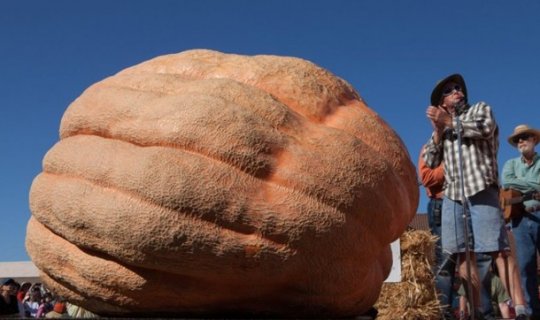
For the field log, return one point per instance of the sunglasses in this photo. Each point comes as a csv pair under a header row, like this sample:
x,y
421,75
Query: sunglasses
x,y
523,137
449,90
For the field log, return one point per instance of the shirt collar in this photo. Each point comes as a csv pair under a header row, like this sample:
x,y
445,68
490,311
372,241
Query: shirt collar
x,y
535,157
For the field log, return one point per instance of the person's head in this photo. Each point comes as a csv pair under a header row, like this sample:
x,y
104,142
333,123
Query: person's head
x,y
60,307
25,286
35,293
524,138
449,91
47,297
8,286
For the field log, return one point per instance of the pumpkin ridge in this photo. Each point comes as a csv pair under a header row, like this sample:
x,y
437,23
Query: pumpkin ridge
x,y
164,261
163,93
180,147
64,260
266,179
299,110
286,78
131,85
93,253
134,281
273,240
138,197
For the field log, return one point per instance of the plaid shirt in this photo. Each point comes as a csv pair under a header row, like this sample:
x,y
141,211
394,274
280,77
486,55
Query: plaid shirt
x,y
479,146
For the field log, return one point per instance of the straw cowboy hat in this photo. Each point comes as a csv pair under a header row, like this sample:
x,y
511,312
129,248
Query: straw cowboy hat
x,y
523,129
436,94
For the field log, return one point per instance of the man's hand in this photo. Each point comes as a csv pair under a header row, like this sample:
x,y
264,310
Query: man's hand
x,y
440,118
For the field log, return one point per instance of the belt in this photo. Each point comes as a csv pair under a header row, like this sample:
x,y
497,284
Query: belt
x,y
532,209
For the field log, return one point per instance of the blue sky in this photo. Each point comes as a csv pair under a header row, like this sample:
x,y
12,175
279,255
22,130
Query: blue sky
x,y
392,52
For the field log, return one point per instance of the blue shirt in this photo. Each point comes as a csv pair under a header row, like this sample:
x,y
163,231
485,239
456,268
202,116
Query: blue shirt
x,y
518,175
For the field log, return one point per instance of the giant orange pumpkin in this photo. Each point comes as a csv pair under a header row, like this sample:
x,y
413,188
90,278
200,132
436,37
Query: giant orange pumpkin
x,y
204,183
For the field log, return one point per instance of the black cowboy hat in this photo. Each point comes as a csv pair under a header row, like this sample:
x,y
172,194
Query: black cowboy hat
x,y
436,94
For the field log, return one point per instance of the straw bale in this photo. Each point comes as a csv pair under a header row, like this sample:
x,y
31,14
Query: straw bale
x,y
415,297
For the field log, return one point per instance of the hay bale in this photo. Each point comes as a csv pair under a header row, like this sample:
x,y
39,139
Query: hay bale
x,y
415,297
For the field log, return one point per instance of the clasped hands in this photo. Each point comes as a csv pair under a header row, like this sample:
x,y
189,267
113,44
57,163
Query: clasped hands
x,y
440,118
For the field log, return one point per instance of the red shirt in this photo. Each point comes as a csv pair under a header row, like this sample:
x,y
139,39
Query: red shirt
x,y
432,179
20,295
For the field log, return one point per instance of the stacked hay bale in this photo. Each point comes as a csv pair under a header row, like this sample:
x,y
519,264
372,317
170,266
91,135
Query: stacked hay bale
x,y
415,297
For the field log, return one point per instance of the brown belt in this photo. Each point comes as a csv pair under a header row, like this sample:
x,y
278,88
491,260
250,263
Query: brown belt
x,y
532,209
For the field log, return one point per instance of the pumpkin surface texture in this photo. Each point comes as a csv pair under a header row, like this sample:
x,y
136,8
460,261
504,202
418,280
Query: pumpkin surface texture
x,y
212,184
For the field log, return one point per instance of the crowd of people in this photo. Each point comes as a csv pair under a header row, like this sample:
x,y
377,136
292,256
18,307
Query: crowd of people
x,y
34,300
492,253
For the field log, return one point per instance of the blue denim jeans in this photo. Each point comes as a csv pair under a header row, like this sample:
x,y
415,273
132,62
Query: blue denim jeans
x,y
526,231
445,264
434,211
486,230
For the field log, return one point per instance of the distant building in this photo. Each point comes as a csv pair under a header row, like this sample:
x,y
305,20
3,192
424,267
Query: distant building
x,y
420,222
20,271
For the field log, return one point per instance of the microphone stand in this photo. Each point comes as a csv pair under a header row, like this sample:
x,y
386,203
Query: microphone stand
x,y
465,214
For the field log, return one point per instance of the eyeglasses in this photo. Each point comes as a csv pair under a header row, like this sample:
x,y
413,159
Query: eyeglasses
x,y
449,90
523,137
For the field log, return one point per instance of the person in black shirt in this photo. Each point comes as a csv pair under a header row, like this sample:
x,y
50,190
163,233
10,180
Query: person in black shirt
x,y
8,298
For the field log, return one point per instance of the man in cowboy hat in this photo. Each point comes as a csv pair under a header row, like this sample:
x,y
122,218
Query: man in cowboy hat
x,y
523,174
445,264
454,121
